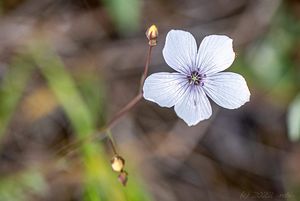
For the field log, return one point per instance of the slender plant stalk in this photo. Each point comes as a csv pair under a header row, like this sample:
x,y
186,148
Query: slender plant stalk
x,y
111,141
146,69
137,98
115,118
131,103
124,110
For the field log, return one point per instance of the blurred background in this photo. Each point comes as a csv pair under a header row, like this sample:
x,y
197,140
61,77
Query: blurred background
x,y
67,66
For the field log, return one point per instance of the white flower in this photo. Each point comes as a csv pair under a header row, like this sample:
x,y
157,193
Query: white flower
x,y
198,76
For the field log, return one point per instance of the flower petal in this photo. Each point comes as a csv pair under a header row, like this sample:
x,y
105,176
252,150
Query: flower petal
x,y
180,51
215,54
165,89
194,107
229,90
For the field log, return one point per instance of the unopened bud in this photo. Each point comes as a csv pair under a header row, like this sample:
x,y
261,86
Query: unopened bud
x,y
117,163
152,34
123,177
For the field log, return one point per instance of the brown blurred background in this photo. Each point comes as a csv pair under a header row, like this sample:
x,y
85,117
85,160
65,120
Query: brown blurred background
x,y
67,66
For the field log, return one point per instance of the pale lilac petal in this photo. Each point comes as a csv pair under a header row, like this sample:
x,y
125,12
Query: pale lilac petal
x,y
215,54
229,90
165,89
194,107
180,51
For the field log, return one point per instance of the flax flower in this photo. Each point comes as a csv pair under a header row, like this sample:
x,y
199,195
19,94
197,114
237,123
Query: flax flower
x,y
198,77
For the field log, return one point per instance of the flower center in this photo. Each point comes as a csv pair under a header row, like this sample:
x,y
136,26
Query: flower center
x,y
196,78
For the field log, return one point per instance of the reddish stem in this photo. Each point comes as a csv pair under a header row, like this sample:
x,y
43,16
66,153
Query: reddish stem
x,y
137,98
121,112
124,110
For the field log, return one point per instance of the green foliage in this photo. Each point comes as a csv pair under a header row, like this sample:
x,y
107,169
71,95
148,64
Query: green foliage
x,y
91,88
269,59
100,182
125,14
20,187
64,89
12,87
268,66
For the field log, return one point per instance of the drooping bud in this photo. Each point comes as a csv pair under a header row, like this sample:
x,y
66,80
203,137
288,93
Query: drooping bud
x,y
152,34
123,177
117,163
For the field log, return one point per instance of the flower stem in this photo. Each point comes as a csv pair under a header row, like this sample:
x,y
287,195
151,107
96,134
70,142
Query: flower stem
x,y
145,69
131,103
111,141
137,98
124,110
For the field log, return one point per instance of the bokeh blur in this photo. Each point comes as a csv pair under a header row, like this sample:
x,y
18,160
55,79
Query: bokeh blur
x,y
67,66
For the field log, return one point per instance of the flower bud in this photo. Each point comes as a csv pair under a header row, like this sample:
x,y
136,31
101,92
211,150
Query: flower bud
x,y
152,34
117,163
123,177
